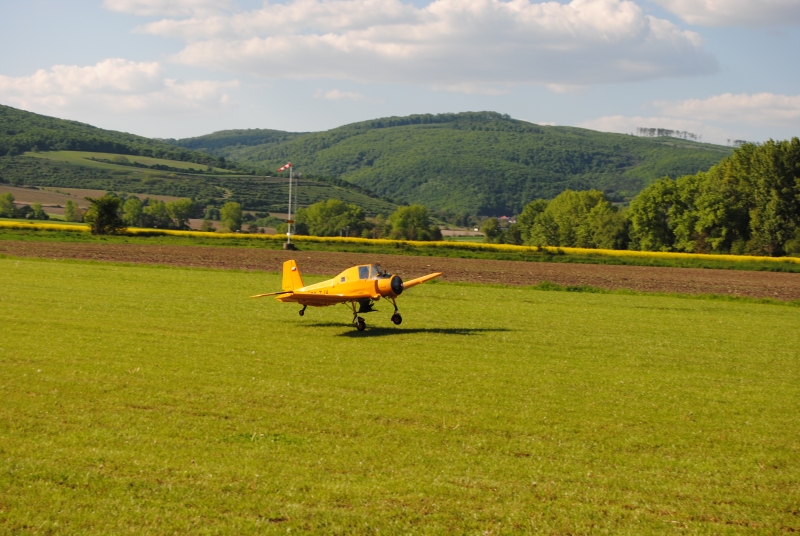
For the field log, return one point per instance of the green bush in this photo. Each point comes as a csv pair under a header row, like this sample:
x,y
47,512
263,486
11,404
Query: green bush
x,y
103,215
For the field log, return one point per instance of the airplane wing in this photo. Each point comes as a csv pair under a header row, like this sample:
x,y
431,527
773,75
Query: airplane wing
x,y
417,281
272,294
326,299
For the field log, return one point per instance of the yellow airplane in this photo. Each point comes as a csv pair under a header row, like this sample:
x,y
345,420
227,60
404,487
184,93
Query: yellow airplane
x,y
363,285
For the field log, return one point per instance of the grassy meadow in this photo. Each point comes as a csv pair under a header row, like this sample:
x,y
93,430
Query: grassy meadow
x,y
140,399
84,158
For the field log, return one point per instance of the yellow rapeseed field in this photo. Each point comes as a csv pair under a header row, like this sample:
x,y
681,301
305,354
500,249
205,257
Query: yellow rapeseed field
x,y
476,246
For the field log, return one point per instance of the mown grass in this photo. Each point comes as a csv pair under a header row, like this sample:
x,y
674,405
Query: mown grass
x,y
386,247
149,399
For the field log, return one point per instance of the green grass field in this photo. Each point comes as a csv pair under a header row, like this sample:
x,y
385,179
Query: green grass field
x,y
154,400
83,158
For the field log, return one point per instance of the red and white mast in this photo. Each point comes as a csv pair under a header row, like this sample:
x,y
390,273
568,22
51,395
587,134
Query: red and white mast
x,y
289,220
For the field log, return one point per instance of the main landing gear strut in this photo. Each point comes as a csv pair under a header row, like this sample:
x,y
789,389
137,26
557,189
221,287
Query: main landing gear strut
x,y
358,322
361,325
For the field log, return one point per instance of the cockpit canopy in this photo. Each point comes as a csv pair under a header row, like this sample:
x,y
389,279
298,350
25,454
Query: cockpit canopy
x,y
372,271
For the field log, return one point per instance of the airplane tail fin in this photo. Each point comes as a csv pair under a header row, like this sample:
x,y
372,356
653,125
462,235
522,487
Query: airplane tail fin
x,y
291,276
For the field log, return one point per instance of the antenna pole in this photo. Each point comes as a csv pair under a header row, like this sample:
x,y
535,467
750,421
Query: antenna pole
x,y
289,219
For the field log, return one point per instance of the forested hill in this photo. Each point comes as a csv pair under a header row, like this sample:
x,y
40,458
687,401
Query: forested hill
x,y
474,162
225,141
22,131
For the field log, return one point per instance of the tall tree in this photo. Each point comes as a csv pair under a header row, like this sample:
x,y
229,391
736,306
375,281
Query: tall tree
x,y
413,223
527,218
38,213
103,215
775,174
564,222
134,210
608,226
72,212
490,229
231,216
331,217
682,215
180,211
649,215
723,203
7,207
155,215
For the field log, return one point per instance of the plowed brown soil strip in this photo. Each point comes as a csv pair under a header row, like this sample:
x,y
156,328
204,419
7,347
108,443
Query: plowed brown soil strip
x,y
782,286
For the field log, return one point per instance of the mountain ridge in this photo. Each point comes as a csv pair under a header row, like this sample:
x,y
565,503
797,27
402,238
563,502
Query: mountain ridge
x,y
483,163
22,131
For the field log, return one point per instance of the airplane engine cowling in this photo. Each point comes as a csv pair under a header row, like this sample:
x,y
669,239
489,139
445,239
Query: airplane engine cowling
x,y
392,286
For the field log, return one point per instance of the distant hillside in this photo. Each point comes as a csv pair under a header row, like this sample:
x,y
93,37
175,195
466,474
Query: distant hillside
x,y
69,169
479,163
224,142
36,150
22,131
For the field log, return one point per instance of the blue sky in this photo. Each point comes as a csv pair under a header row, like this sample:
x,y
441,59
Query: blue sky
x,y
723,69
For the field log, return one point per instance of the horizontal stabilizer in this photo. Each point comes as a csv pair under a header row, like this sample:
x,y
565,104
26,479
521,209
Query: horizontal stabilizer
x,y
272,294
417,281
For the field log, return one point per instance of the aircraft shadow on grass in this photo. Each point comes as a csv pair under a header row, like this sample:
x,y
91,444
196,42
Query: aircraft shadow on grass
x,y
383,332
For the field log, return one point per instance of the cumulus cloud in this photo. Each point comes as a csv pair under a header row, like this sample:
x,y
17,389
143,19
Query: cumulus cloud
x,y
168,8
628,125
735,12
473,46
114,85
717,118
766,109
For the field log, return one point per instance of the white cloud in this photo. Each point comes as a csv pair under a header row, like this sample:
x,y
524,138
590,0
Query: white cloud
x,y
336,94
168,8
735,12
113,85
764,109
473,46
717,118
293,18
628,125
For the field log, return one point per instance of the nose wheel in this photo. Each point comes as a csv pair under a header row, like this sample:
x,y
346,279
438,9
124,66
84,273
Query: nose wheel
x,y
396,318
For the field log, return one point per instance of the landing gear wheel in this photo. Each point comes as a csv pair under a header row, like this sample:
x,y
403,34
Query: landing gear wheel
x,y
303,310
397,319
360,324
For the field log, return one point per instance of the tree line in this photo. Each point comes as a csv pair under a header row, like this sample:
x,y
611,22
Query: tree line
x,y
336,218
749,203
118,212
9,209
112,213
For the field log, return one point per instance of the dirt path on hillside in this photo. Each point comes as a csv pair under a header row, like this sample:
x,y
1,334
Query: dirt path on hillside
x,y
782,286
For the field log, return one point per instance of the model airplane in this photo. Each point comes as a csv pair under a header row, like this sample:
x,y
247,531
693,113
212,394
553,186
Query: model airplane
x,y
360,285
